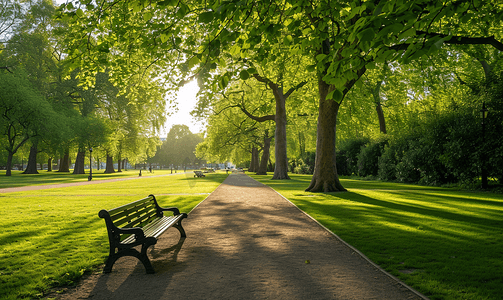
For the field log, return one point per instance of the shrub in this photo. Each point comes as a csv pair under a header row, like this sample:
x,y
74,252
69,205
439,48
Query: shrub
x,y
303,164
347,155
368,158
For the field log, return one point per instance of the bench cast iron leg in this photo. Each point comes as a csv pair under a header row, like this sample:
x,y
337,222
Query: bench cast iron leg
x,y
142,256
180,228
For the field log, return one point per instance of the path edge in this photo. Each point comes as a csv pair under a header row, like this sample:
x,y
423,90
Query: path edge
x,y
351,247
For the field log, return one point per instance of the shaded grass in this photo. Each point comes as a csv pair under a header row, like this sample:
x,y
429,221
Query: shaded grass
x,y
51,237
445,243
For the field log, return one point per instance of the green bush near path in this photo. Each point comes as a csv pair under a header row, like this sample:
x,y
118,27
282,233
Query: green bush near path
x,y
51,237
445,243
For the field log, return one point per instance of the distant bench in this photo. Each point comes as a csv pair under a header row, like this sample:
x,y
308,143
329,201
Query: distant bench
x,y
199,174
138,223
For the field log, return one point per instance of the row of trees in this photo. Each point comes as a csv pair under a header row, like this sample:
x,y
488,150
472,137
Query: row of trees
x,y
178,149
333,52
45,106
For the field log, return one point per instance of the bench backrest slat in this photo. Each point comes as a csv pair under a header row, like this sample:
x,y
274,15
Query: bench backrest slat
x,y
135,213
117,215
137,217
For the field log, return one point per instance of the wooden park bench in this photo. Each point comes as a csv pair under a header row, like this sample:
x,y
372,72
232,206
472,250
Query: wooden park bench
x,y
199,174
138,223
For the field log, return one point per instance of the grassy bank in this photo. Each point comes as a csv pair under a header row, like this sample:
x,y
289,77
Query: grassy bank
x,y
51,237
447,244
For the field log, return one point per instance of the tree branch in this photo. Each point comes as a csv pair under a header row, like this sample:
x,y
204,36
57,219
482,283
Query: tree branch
x,y
462,40
293,89
7,68
456,40
258,119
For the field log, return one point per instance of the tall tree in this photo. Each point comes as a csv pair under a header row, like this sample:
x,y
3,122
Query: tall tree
x,y
24,113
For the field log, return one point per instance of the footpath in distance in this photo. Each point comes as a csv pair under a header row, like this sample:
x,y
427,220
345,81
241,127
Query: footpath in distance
x,y
245,241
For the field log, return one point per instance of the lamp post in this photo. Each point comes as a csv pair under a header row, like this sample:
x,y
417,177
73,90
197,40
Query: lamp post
x,y
90,165
483,116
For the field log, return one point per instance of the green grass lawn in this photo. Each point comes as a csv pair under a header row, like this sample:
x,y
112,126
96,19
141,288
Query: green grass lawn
x,y
50,237
445,243
17,179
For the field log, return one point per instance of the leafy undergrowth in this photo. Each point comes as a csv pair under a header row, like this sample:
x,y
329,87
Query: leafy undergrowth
x,y
52,237
447,244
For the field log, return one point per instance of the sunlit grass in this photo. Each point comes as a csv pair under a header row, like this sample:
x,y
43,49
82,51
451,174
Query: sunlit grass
x,y
447,244
18,179
51,237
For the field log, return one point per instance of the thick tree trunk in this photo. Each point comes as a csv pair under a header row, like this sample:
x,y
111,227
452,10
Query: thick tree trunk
x,y
119,160
31,168
325,177
281,167
79,163
256,160
262,170
110,165
8,171
64,163
49,164
254,164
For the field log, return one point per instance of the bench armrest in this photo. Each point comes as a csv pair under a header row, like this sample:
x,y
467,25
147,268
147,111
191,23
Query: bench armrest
x,y
137,231
175,210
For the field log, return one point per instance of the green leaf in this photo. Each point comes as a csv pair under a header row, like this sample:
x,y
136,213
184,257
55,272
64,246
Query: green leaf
x,y
407,33
147,16
311,68
79,13
378,9
224,80
164,38
320,57
206,17
193,61
367,35
244,75
337,96
167,3
288,40
252,71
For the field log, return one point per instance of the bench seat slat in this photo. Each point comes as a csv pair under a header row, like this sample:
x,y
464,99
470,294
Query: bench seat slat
x,y
155,228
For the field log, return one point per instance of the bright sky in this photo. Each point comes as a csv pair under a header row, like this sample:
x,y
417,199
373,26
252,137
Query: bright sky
x,y
186,100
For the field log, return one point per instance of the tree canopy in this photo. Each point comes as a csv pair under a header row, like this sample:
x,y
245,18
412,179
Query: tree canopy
x,y
220,41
